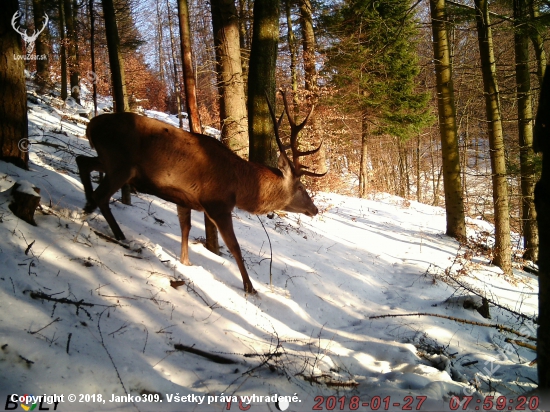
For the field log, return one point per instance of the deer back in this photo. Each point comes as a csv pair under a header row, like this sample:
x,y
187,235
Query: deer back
x,y
186,168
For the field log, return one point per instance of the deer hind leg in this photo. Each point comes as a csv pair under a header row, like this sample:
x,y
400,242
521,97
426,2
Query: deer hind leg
x,y
184,216
225,225
87,165
108,187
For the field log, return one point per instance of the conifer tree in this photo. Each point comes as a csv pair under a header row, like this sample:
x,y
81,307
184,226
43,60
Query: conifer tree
x,y
374,64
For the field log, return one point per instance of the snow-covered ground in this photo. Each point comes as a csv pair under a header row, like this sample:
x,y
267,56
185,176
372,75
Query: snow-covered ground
x,y
369,306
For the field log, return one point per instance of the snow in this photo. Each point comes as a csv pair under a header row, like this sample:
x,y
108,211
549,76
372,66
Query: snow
x,y
26,188
337,319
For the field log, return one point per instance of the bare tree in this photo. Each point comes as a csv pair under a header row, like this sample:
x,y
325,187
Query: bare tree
x,y
116,62
63,49
177,87
233,118
212,242
454,206
503,247
525,114
71,10
42,63
541,144
261,80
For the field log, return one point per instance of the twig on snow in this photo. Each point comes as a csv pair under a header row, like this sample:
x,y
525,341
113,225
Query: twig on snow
x,y
470,322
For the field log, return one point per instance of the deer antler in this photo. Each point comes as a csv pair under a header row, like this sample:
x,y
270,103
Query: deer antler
x,y
276,126
294,131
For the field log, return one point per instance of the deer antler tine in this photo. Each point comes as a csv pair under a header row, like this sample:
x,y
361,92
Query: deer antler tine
x,y
276,125
301,125
287,111
312,174
293,133
280,119
310,152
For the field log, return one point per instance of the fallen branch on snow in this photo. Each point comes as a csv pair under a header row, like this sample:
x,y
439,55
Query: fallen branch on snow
x,y
213,357
469,322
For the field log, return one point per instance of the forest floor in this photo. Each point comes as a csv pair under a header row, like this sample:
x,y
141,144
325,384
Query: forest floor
x,y
369,305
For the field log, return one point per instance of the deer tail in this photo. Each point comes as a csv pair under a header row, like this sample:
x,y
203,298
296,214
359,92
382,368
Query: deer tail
x,y
89,135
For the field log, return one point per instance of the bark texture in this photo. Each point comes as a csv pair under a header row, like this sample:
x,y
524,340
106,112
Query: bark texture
x,y
233,117
261,80
212,243
503,248
454,202
525,115
13,101
541,144
40,46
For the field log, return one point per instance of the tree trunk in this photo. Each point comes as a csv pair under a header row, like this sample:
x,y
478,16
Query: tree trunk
x,y
364,162
63,50
116,62
503,247
177,87
418,183
541,143
212,243
72,42
261,80
308,43
233,118
407,175
23,204
310,71
41,48
13,101
160,43
525,113
244,38
291,39
538,42
454,202
92,53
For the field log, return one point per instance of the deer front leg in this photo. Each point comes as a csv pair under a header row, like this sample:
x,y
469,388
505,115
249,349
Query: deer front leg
x,y
87,165
225,225
184,216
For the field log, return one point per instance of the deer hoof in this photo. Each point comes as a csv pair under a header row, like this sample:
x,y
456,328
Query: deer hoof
x,y
250,289
89,208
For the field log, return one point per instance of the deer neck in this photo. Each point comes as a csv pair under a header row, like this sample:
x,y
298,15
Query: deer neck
x,y
262,190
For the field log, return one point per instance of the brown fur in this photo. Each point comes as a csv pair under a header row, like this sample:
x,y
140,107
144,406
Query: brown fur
x,y
191,170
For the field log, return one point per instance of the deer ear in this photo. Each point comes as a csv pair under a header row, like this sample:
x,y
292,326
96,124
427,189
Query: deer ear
x,y
284,165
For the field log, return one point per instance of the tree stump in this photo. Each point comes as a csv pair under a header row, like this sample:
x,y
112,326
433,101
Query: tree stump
x,y
25,200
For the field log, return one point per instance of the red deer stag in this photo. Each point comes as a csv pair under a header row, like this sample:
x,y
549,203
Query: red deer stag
x,y
194,172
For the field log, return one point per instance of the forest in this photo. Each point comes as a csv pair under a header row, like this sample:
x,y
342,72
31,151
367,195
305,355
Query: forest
x,y
432,101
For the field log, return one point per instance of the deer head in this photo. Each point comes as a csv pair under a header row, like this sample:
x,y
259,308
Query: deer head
x,y
29,40
293,170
